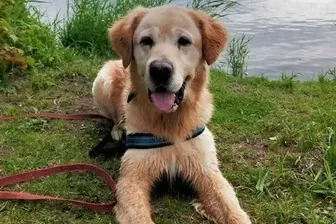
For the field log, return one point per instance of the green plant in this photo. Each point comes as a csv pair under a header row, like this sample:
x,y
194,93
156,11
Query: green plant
x,y
327,76
286,138
326,177
216,8
332,73
24,40
287,81
238,53
94,17
308,137
262,182
323,77
331,150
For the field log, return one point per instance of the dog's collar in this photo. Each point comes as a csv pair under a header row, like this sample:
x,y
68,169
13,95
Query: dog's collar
x,y
149,141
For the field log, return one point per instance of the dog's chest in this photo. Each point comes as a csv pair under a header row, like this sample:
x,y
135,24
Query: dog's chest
x,y
173,182
173,169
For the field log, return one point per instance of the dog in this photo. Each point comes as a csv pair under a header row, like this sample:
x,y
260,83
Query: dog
x,y
165,55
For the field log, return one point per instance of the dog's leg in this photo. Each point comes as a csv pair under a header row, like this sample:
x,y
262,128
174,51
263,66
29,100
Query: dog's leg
x,y
218,199
137,174
133,206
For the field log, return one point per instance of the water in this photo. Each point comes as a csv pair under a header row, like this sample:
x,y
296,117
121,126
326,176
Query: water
x,y
287,35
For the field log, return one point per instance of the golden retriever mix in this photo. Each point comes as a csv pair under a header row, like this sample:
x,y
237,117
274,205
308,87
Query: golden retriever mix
x,y
166,52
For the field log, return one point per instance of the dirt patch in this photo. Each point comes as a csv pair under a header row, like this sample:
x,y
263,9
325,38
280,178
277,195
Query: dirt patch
x,y
255,150
238,88
74,104
257,144
81,100
84,105
4,152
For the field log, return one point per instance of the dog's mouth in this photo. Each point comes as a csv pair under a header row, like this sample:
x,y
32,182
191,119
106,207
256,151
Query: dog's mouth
x,y
166,101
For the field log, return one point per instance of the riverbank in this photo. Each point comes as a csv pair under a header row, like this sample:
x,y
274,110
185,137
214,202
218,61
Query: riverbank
x,y
275,139
287,36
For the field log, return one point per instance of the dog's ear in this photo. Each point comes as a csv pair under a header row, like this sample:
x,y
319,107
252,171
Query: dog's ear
x,y
214,35
121,34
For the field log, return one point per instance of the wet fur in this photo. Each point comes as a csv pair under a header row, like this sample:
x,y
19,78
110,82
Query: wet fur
x,y
194,160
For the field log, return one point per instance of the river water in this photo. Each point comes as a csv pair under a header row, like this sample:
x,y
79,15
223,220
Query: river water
x,y
287,35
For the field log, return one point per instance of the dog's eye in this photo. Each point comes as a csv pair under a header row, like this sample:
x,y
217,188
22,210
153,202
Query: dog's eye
x,y
147,41
184,41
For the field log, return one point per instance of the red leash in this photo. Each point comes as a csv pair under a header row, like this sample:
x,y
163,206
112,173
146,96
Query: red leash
x,y
22,177
57,116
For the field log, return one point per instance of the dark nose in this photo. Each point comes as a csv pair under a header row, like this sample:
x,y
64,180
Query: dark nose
x,y
160,71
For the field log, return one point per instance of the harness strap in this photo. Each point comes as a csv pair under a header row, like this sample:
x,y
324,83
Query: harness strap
x,y
10,195
149,141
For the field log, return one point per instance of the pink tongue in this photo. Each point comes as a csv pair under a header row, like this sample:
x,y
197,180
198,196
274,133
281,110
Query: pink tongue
x,y
163,101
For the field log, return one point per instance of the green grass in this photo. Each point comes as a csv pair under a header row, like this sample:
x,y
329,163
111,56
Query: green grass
x,y
216,8
289,179
275,139
238,53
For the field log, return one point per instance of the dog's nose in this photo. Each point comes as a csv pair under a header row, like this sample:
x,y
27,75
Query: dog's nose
x,y
160,71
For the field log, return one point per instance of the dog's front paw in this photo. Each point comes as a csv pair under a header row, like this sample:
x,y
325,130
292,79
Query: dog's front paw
x,y
239,218
201,211
234,217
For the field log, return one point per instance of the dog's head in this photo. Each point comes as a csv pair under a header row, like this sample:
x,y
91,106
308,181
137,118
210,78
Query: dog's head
x,y
167,44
